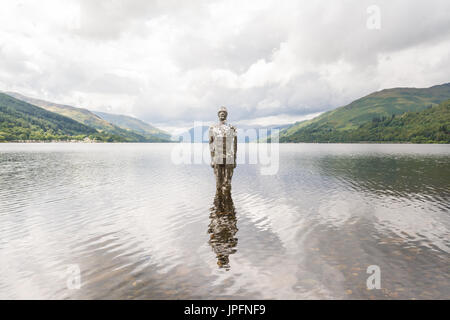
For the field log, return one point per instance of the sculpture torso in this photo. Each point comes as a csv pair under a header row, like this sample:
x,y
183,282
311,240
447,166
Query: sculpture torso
x,y
222,139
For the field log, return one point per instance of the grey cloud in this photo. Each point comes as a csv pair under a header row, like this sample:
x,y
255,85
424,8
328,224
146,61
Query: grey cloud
x,y
236,50
107,83
327,33
108,20
13,61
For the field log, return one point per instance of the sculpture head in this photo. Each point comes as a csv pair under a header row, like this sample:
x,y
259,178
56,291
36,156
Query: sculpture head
x,y
222,114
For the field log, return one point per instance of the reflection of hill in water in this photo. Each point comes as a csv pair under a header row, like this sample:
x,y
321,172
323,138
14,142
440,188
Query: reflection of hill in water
x,y
222,229
400,176
381,209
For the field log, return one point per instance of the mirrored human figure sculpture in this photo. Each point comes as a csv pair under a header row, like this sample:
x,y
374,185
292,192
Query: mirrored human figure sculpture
x,y
223,149
222,228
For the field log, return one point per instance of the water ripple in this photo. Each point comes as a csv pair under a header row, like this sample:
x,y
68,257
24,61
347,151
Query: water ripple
x,y
139,227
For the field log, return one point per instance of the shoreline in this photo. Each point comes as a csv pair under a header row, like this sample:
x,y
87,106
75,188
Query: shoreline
x,y
105,142
74,141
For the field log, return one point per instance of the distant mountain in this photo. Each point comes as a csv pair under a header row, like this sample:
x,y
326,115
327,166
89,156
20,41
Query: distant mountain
x,y
196,134
22,121
257,133
88,118
129,123
245,133
335,125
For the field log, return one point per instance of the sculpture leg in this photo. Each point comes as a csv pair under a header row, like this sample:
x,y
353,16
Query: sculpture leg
x,y
228,175
219,171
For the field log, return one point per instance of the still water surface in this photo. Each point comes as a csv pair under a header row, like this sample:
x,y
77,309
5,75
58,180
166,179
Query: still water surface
x,y
140,227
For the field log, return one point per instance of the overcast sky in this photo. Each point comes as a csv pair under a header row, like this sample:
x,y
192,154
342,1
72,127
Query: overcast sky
x,y
174,62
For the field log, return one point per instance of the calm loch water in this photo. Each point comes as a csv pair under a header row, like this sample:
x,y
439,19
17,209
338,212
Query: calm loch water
x,y
137,226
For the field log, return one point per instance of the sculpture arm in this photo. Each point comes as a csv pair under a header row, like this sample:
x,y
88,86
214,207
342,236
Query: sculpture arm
x,y
235,148
211,146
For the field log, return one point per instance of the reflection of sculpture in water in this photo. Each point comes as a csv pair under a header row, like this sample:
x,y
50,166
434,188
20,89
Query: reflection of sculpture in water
x,y
222,228
223,148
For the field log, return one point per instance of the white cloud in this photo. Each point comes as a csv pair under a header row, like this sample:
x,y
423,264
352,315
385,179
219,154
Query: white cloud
x,y
172,62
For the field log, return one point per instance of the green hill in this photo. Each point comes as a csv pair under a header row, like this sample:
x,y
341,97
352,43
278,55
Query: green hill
x,y
22,121
431,125
136,125
342,124
88,118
